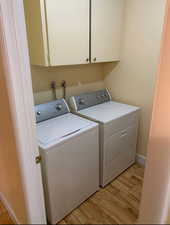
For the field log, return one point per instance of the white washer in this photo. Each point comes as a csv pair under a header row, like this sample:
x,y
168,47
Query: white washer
x,y
69,146
118,131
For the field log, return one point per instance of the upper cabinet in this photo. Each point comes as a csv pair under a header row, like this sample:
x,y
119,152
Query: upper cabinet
x,y
58,31
106,29
70,32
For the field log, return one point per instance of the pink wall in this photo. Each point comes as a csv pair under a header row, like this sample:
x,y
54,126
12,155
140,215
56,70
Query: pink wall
x,y
11,187
155,198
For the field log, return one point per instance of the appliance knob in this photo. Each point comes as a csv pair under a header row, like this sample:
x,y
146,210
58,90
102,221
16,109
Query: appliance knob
x,y
38,113
59,107
82,102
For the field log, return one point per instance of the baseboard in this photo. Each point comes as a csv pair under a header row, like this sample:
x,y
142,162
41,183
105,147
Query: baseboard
x,y
141,159
9,209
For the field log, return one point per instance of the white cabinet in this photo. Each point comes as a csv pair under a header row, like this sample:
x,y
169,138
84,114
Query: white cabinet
x,y
106,29
58,31
70,32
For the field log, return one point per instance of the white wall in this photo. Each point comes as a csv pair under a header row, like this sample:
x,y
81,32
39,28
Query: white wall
x,y
45,96
79,78
132,80
85,74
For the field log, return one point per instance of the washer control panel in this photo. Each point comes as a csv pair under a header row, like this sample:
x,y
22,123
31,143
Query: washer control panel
x,y
51,110
87,100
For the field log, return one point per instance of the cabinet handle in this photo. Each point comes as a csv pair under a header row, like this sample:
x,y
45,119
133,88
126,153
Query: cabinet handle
x,y
94,59
87,60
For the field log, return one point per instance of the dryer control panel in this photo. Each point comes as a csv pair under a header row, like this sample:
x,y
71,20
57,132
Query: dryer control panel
x,y
51,110
87,100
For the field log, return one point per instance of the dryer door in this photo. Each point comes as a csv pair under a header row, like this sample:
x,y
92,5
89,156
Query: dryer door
x,y
119,153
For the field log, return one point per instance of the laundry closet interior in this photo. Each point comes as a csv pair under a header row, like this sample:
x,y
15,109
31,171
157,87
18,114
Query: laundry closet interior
x,y
93,66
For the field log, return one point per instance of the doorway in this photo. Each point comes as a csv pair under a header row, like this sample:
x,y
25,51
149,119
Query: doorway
x,y
134,176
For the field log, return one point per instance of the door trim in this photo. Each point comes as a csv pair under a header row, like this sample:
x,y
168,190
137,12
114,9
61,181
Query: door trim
x,y
19,85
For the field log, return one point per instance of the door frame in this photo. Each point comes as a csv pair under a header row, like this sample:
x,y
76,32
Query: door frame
x,y
155,202
19,85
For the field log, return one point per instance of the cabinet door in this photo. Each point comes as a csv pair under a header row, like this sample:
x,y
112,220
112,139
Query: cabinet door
x,y
36,31
106,31
68,31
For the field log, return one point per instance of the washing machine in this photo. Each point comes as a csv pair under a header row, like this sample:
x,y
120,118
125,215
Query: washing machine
x,y
118,130
69,147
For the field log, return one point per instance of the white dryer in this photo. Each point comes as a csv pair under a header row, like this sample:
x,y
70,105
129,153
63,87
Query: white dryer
x,y
118,131
69,146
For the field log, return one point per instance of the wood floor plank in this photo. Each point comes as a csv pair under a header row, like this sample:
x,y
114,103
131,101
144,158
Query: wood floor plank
x,y
117,203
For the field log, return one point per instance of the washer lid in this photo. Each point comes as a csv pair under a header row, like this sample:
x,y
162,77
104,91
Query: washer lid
x,y
60,127
107,111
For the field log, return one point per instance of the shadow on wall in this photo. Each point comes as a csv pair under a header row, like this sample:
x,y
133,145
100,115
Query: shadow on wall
x,y
74,75
132,80
109,70
79,78
109,67
123,89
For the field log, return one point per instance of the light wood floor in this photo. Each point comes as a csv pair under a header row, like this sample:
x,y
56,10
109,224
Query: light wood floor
x,y
118,203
